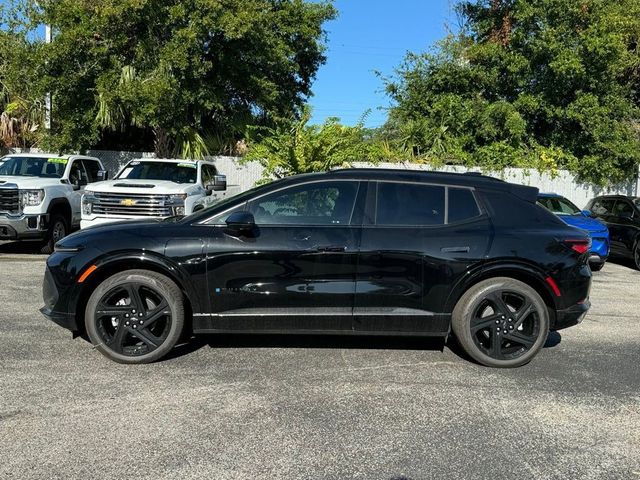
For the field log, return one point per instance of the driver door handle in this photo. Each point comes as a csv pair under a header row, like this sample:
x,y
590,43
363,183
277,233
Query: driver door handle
x,y
332,248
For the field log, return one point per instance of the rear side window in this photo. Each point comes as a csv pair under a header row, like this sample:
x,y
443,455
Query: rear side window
x,y
462,205
410,204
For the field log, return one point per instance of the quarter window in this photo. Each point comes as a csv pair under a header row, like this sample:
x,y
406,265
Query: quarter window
x,y
320,203
410,204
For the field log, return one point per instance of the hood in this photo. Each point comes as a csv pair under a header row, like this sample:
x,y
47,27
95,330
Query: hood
x,y
159,187
589,224
29,182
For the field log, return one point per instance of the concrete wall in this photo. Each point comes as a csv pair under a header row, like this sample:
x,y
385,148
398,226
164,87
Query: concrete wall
x,y
246,174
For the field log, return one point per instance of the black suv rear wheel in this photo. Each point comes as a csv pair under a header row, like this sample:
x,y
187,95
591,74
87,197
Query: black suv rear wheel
x,y
135,316
501,322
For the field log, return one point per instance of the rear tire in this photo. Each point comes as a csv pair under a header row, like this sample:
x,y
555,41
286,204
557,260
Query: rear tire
x,y
135,316
58,229
501,322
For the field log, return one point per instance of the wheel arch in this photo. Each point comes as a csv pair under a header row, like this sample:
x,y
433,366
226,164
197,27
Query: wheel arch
x,y
61,206
523,273
107,268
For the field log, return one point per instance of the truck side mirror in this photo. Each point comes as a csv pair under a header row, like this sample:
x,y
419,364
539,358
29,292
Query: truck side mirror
x,y
219,184
102,176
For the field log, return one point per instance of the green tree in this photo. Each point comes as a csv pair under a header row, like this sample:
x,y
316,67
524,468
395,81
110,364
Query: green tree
x,y
173,75
533,83
293,146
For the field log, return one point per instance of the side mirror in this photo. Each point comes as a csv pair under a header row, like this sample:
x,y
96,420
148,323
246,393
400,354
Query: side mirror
x,y
241,224
219,184
76,186
102,176
588,213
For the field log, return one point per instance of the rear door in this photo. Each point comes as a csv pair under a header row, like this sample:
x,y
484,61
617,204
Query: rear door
x,y
417,241
623,228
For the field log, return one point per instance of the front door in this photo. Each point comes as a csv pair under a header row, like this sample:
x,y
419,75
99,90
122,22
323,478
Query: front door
x,y
297,271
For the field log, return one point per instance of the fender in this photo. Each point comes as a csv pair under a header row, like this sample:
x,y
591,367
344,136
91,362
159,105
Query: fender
x,y
520,270
60,203
108,264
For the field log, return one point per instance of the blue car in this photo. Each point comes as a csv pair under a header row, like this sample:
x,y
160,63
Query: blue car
x,y
573,216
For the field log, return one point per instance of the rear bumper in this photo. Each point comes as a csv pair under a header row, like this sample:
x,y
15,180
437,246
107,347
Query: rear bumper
x,y
571,316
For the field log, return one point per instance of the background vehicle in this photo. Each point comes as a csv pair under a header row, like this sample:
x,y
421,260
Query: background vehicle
x,y
155,188
572,215
622,215
40,195
347,252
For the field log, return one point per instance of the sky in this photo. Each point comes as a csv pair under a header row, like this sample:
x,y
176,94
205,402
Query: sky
x,y
369,36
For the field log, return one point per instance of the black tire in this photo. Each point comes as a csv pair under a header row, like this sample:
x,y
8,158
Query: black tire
x,y
516,309
58,229
596,267
135,316
636,255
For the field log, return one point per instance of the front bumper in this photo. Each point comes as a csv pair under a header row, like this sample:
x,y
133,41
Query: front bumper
x,y
65,320
571,316
23,227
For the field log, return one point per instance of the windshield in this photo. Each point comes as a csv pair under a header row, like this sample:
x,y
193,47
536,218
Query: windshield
x,y
558,205
170,171
33,167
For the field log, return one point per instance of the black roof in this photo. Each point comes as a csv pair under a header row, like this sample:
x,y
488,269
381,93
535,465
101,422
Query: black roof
x,y
628,197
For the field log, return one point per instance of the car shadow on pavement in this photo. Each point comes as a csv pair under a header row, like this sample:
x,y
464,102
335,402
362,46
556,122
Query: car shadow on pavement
x,y
29,248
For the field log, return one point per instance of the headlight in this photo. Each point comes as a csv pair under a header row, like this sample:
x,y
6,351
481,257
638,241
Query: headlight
x,y
87,202
31,198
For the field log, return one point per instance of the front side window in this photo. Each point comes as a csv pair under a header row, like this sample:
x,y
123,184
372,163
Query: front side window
x,y
33,167
603,206
319,203
77,175
149,170
410,204
92,168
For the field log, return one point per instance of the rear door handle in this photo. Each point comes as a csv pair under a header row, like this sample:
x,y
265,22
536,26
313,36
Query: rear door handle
x,y
455,249
332,248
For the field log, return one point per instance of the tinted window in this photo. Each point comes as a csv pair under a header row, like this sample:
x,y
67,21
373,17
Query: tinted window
x,y
92,167
622,208
603,206
77,175
558,205
321,203
462,205
208,174
409,204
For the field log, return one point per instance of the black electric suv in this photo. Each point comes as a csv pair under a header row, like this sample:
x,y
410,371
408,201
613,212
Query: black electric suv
x,y
622,215
357,252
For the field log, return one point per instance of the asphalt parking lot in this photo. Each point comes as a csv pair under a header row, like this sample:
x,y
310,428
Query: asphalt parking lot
x,y
300,407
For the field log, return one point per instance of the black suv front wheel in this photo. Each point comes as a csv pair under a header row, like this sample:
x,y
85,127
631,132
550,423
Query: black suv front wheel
x,y
135,316
501,322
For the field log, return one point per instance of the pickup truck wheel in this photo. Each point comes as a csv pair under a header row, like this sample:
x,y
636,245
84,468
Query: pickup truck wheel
x,y
501,322
135,316
58,229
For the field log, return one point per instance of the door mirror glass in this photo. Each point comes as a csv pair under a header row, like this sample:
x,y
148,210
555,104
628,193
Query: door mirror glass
x,y
219,184
241,224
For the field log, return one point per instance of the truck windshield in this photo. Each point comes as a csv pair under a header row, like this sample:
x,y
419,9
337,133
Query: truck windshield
x,y
32,167
558,205
170,171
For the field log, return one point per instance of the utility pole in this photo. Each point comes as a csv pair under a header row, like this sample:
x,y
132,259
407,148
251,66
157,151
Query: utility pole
x,y
47,98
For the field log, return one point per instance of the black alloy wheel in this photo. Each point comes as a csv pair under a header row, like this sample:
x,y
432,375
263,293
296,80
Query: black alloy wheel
x,y
501,322
135,316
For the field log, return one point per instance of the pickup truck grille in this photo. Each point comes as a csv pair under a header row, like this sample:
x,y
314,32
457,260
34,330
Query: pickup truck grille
x,y
9,200
131,204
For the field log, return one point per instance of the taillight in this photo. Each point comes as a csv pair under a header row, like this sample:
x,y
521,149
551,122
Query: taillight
x,y
580,245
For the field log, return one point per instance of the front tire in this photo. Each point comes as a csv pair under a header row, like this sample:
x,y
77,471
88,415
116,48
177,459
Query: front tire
x,y
58,229
636,255
501,322
135,316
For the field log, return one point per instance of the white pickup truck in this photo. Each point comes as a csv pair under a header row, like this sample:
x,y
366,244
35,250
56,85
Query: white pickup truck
x,y
40,195
155,188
